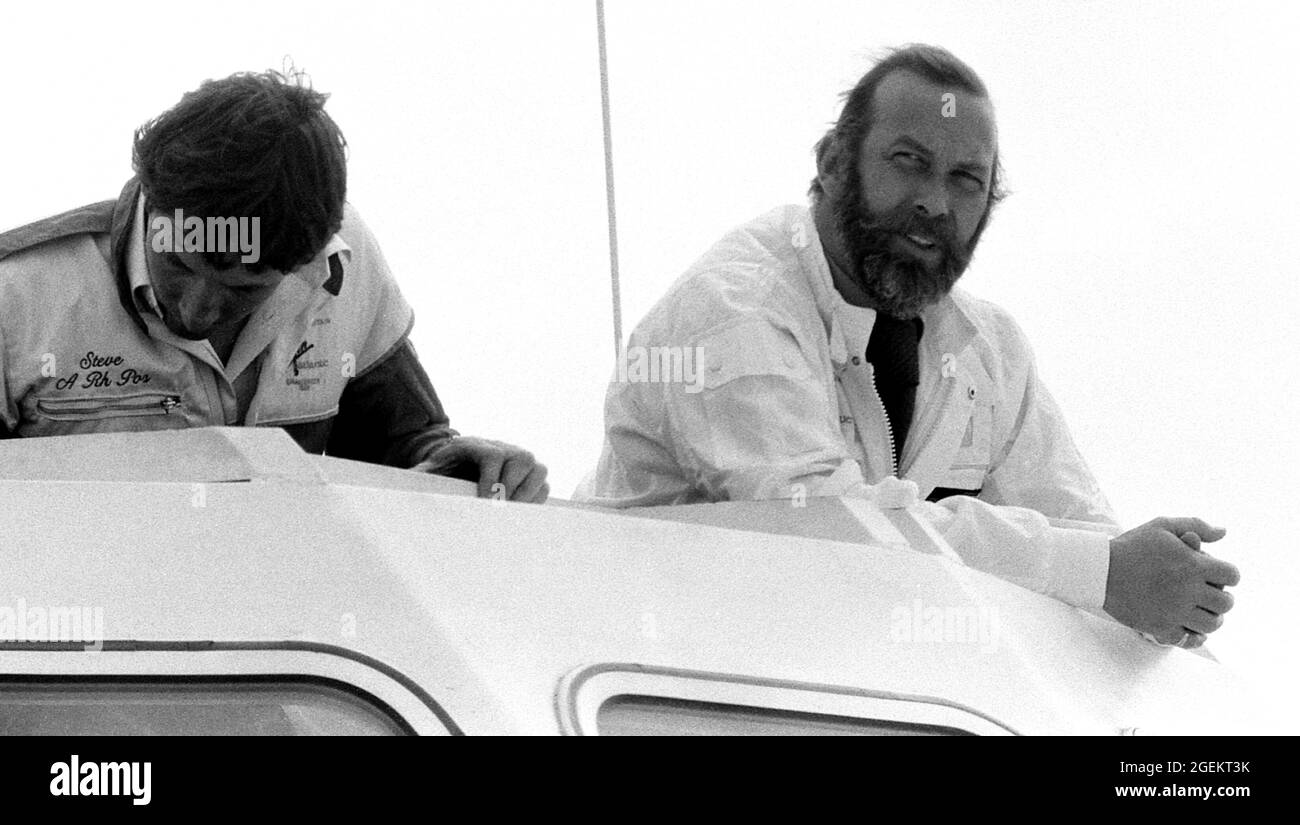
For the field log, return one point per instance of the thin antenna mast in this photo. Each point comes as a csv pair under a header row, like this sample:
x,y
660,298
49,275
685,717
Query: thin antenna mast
x,y
609,179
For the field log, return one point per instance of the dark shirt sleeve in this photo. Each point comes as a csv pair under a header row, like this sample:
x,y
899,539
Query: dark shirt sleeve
x,y
390,414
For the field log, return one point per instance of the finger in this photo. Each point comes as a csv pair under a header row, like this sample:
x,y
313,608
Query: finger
x,y
1215,600
531,489
515,471
1191,540
1178,526
1203,621
1194,640
1219,572
489,471
532,485
1173,638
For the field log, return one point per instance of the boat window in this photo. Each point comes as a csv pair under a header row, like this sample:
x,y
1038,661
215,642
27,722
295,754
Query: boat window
x,y
189,707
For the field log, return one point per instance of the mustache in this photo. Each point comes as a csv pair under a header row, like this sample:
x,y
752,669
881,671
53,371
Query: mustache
x,y
875,232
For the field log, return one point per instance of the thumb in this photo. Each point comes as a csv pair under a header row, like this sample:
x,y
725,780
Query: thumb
x,y
1181,526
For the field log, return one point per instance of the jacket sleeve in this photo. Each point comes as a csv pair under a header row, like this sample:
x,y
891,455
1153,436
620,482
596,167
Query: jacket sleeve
x,y
1024,547
390,414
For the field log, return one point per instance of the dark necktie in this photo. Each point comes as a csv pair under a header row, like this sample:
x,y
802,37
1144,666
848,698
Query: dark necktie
x,y
892,350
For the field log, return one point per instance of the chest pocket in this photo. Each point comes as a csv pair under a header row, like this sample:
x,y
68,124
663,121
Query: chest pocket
x,y
94,408
750,350
761,406
970,463
130,412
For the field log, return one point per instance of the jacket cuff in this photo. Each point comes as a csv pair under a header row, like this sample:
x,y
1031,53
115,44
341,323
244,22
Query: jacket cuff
x,y
1080,564
424,445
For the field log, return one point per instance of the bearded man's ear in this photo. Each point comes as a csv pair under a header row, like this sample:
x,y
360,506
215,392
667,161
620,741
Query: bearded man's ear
x,y
829,162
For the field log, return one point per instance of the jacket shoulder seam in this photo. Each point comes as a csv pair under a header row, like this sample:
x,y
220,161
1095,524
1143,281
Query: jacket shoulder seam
x,y
90,219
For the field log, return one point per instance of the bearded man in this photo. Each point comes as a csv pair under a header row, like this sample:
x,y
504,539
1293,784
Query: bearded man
x,y
837,353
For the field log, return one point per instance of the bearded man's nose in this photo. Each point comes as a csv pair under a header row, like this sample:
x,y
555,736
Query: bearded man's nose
x,y
930,200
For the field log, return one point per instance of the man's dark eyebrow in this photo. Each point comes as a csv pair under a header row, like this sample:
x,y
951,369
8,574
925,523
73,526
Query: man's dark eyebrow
x,y
974,167
912,143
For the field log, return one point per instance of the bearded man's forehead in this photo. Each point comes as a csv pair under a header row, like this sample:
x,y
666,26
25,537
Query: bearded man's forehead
x,y
946,120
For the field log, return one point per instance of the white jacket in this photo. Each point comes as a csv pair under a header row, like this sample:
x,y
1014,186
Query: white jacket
x,y
748,381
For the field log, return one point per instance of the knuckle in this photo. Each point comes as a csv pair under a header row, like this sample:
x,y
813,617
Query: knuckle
x,y
1221,574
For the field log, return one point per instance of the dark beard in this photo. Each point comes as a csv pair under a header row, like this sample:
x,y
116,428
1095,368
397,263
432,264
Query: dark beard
x,y
896,283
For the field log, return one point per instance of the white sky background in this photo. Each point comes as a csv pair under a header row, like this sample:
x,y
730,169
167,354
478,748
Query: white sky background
x,y
1147,248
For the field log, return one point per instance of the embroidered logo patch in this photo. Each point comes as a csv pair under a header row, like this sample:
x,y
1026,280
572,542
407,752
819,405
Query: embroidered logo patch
x,y
303,349
299,365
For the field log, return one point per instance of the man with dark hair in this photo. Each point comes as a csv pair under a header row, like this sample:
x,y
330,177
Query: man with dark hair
x,y
230,284
837,354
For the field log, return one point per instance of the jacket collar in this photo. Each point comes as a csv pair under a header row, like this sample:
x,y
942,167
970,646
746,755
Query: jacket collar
x,y
119,235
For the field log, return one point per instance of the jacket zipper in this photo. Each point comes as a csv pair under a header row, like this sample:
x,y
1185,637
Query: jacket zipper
x,y
889,428
167,403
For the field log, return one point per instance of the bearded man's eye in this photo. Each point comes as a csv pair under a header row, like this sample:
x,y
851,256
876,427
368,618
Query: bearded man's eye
x,y
969,182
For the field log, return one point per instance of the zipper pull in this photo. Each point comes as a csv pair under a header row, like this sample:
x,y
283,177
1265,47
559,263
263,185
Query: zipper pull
x,y
170,403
